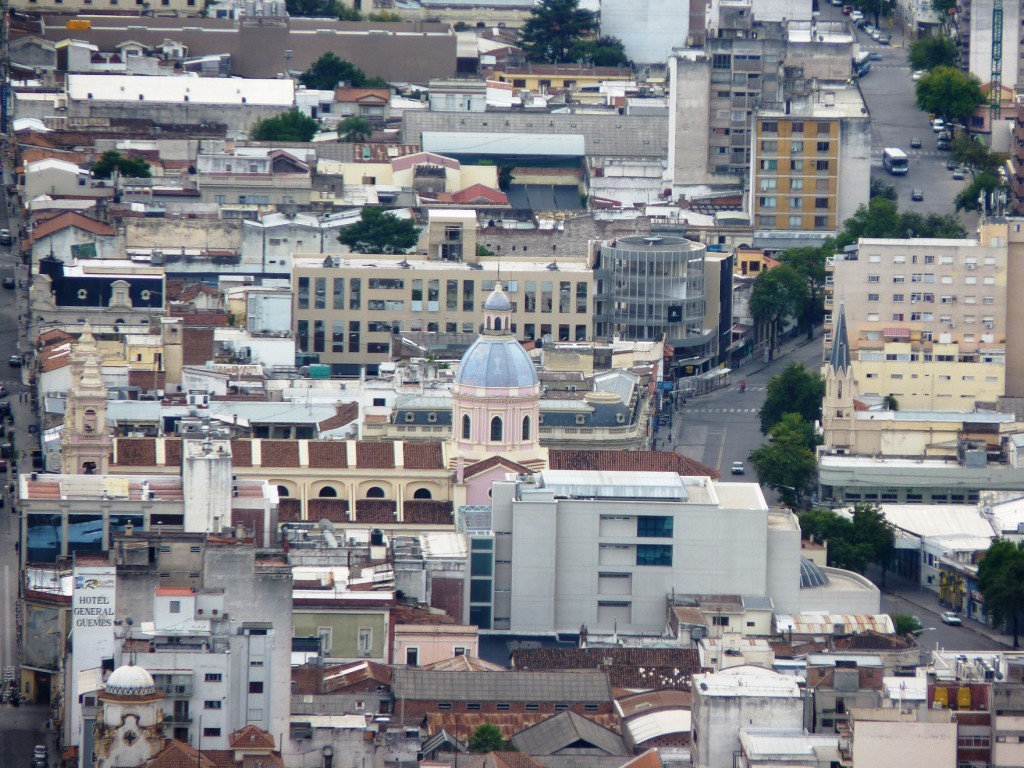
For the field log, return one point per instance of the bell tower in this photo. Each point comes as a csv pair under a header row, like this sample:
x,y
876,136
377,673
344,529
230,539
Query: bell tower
x,y
837,409
85,447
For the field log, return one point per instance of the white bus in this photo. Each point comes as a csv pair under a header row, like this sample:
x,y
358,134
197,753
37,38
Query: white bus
x,y
894,160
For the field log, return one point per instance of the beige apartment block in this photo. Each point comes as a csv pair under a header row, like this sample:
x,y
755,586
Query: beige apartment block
x,y
926,318
1015,309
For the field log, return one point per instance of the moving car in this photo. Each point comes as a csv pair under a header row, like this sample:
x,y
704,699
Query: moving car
x,y
938,125
951,164
959,174
875,56
915,143
6,238
950,617
918,74
917,194
8,282
737,468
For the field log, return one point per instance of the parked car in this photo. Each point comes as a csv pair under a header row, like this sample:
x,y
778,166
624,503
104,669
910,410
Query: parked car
x,y
847,10
915,143
918,74
14,361
950,617
917,194
9,282
943,145
884,39
856,15
951,164
737,468
958,174
39,751
6,238
938,125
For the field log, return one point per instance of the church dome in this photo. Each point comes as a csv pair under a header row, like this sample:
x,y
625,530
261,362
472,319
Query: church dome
x,y
498,301
498,362
130,680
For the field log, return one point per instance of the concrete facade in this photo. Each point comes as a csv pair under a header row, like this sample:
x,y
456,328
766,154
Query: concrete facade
x,y
648,29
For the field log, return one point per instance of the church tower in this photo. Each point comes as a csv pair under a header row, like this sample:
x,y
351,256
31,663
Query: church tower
x,y
837,410
85,446
496,394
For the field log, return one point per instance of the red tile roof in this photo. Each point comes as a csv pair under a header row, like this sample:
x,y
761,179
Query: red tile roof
x,y
496,461
629,461
375,455
428,512
362,95
70,219
135,451
423,456
632,668
328,454
375,510
347,413
479,193
251,737
177,754
335,510
279,453
410,614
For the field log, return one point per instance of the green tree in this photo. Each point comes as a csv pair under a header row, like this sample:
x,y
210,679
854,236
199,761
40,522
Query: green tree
x,y
387,17
796,390
978,194
486,738
793,427
853,542
787,466
950,94
379,231
602,52
554,28
873,531
944,226
976,155
943,7
931,52
329,71
777,293
354,129
1001,582
288,126
882,218
879,188
319,8
344,13
906,624
506,176
112,160
810,263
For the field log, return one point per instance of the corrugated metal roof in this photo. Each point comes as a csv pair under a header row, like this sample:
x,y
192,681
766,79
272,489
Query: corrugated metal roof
x,y
514,144
564,730
938,519
423,685
661,723
597,484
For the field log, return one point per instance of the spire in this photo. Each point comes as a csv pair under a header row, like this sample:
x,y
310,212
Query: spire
x,y
840,358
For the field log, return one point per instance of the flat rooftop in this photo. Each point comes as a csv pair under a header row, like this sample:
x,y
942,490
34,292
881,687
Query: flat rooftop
x,y
398,262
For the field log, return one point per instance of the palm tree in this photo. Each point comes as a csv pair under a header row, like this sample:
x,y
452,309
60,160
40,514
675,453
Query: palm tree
x,y
353,129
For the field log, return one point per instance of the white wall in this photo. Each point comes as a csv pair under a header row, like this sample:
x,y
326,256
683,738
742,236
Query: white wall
x,y
718,720
854,166
899,744
649,29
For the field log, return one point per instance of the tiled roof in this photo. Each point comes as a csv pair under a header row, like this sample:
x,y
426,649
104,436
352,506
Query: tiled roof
x,y
279,453
241,453
347,413
501,760
409,614
251,737
479,193
364,675
632,668
629,461
177,754
172,453
197,345
375,510
649,759
423,456
135,452
509,723
347,95
375,455
70,219
580,686
565,730
428,512
446,594
463,663
193,290
328,454
496,461
871,641
335,510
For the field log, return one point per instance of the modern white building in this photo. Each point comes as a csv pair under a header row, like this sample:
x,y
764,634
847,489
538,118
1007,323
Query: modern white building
x,y
609,549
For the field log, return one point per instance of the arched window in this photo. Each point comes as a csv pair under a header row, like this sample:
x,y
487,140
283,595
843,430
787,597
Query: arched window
x,y
328,492
497,323
526,427
840,390
496,430
466,426
282,491
422,493
375,492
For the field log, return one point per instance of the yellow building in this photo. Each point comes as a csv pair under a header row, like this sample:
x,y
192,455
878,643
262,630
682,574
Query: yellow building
x,y
926,319
811,162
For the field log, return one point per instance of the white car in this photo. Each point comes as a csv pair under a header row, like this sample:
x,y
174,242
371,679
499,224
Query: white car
x,y
938,125
918,74
950,617
856,15
737,468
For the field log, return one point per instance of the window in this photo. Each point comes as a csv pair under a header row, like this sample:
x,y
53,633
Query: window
x,y
466,426
720,621
874,278
211,731
654,554
214,677
256,686
365,640
872,297
175,606
526,428
496,429
212,704
653,527
503,706
821,203
770,126
412,657
821,165
823,147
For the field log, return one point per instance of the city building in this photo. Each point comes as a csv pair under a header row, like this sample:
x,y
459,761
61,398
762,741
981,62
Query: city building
x,y
891,738
810,166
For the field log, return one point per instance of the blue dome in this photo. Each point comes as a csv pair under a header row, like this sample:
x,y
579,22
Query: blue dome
x,y
498,300
496,361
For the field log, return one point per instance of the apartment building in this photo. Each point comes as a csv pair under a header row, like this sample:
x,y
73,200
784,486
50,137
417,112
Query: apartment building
x,y
811,162
346,311
926,319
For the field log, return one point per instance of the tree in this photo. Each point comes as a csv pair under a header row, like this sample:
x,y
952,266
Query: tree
x,y
882,218
354,129
603,52
329,71
852,543
387,17
810,262
793,428
906,624
943,7
787,466
873,531
978,194
1001,582
379,231
950,94
112,160
931,52
777,293
974,154
486,738
554,28
344,13
288,126
320,8
879,188
795,390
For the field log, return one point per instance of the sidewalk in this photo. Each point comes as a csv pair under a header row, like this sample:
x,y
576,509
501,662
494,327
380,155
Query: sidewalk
x,y
913,593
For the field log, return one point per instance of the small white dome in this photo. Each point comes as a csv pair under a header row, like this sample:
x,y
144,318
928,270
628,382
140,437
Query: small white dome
x,y
498,301
130,680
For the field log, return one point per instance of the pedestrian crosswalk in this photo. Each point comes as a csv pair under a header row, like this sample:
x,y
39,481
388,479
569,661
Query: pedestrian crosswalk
x,y
722,410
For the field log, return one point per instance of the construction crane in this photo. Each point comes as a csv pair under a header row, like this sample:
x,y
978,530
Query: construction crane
x,y
995,94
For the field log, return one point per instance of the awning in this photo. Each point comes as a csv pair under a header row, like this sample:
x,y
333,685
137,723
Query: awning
x,y
896,333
